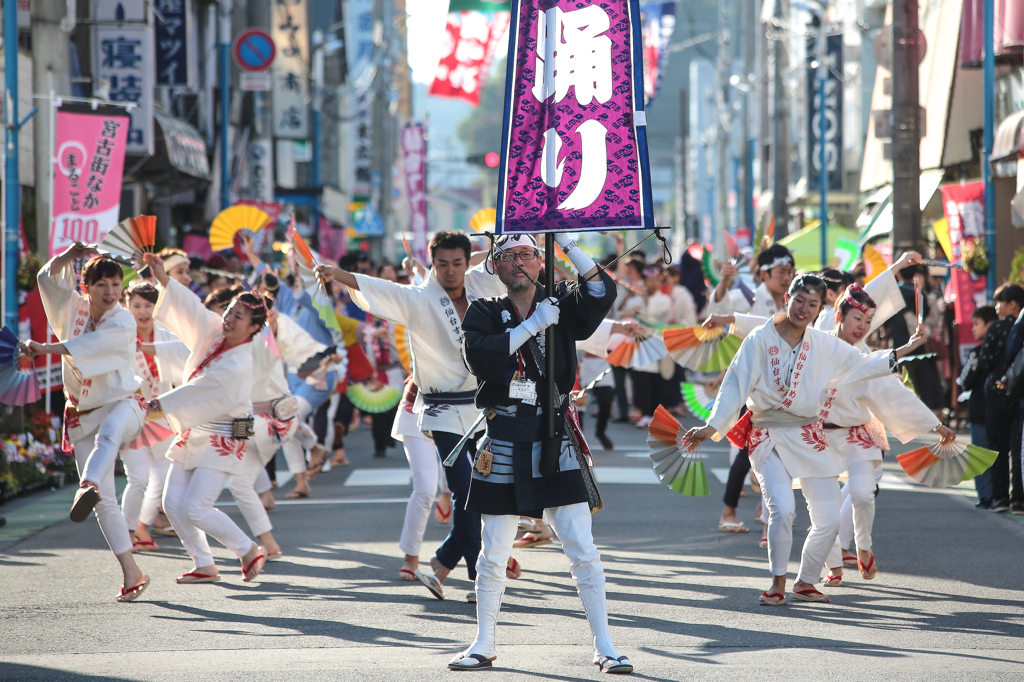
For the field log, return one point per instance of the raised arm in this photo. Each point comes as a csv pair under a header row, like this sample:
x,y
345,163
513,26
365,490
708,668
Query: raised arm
x,y
57,285
178,308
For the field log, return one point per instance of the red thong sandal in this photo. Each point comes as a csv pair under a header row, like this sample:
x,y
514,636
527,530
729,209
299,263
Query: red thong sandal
x,y
147,546
771,599
811,594
407,575
513,570
254,567
197,577
867,571
133,592
440,515
832,580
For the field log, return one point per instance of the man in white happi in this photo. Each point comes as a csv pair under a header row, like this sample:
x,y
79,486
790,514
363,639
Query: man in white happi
x,y
776,268
444,407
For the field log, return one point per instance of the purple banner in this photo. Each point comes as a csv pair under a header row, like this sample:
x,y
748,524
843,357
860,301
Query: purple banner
x,y
574,145
414,147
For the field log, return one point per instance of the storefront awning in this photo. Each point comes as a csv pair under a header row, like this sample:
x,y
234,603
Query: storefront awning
x,y
185,148
1009,140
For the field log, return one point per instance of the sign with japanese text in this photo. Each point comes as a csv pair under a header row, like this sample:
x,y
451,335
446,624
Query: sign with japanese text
x,y
833,116
574,139
414,147
173,25
122,55
259,170
964,208
470,41
290,30
359,45
89,163
659,23
359,148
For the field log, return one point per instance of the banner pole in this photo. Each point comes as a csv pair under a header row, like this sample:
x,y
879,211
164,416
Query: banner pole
x,y
549,337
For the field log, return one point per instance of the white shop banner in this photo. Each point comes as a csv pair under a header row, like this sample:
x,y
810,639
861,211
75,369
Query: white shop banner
x,y
290,30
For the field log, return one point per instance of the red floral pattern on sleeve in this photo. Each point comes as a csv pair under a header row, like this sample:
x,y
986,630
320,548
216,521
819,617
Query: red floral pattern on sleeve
x,y
814,435
182,439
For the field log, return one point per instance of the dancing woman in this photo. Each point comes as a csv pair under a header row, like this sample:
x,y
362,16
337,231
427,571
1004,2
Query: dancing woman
x,y
855,418
781,372
105,410
212,416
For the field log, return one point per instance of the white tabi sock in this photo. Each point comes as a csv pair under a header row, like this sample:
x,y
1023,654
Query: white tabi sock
x,y
595,605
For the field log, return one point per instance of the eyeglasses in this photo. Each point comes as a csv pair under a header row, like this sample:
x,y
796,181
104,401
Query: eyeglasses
x,y
521,256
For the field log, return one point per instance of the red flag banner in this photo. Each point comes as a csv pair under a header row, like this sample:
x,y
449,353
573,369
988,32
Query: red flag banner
x,y
471,39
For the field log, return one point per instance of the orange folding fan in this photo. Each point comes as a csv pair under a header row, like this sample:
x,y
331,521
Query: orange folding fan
x,y
131,239
678,465
635,353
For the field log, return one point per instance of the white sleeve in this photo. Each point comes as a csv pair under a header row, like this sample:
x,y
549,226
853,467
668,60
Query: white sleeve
x,y
394,302
483,284
109,348
295,343
884,290
684,309
849,364
745,324
899,409
184,314
171,357
597,344
57,291
743,372
733,302
222,388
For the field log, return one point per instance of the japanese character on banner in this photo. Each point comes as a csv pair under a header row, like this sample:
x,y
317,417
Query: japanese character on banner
x,y
575,154
471,39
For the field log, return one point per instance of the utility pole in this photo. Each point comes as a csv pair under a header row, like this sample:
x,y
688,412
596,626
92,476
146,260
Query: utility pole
x,y
779,58
12,189
682,227
989,66
749,21
723,130
906,134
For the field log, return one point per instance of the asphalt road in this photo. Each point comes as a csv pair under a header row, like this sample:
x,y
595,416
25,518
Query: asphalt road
x,y
682,595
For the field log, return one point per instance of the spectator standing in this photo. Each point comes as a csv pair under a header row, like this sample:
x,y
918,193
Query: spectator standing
x,y
973,381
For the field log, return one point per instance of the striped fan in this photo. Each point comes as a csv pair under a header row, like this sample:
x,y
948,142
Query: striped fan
x,y
402,346
152,433
724,351
232,221
131,239
18,383
943,466
681,469
705,350
373,401
635,353
305,261
682,338
707,265
9,345
698,400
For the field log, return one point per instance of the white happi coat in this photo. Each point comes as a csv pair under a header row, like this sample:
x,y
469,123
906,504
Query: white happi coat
x,y
435,340
219,390
174,350
884,290
767,374
865,409
97,369
735,302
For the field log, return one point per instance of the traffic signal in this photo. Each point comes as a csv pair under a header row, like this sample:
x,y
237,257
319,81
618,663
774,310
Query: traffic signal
x,y
490,159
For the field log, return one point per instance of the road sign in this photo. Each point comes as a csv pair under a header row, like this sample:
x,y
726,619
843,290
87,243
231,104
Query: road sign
x,y
254,50
259,81
368,223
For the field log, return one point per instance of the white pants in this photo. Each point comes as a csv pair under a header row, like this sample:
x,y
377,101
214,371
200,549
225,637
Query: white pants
x,y
118,428
572,525
262,483
243,488
304,439
822,496
857,514
108,513
426,475
146,469
188,503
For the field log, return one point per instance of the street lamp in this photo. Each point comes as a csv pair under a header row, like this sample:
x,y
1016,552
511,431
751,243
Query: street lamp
x,y
821,48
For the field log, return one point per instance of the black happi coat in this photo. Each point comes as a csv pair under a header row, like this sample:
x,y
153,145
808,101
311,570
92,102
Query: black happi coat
x,y
486,327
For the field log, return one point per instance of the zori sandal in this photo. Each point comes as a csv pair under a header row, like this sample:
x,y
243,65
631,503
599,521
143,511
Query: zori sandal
x,y
614,666
133,592
466,661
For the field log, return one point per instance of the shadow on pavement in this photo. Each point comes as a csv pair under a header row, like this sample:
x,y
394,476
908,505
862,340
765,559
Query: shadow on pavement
x,y
21,673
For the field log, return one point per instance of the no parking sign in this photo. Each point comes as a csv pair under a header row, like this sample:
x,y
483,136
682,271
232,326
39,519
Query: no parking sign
x,y
254,52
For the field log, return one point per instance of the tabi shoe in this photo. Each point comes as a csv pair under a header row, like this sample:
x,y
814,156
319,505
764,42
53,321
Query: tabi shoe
x,y
471,597
810,594
431,582
613,666
85,500
467,661
133,592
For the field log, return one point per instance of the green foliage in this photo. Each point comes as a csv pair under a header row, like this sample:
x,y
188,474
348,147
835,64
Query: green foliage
x,y
27,271
1017,267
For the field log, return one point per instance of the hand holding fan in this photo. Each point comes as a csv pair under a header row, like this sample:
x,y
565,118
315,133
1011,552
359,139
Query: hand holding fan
x,y
679,465
131,239
233,222
306,265
702,348
18,383
10,345
918,303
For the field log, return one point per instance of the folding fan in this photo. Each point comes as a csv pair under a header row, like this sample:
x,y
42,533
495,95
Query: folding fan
x,y
373,401
305,263
707,266
9,345
698,400
231,221
634,353
402,346
679,467
152,433
705,350
18,383
942,466
131,239
483,220
678,339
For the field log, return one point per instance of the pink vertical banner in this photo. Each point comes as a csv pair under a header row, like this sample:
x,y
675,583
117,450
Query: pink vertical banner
x,y
964,207
89,164
414,147
331,240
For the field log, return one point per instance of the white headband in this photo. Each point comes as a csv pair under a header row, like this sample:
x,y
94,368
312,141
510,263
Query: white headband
x,y
510,241
781,260
173,261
